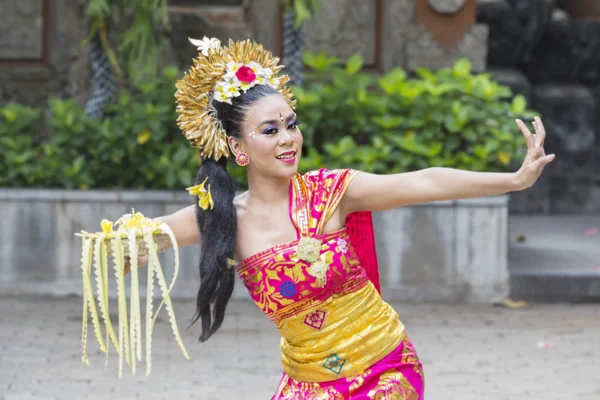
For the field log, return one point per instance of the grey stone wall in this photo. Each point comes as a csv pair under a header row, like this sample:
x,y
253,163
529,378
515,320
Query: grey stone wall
x,y
386,36
40,50
445,251
552,58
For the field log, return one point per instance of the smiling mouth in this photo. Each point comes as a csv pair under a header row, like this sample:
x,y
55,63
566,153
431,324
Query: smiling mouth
x,y
286,156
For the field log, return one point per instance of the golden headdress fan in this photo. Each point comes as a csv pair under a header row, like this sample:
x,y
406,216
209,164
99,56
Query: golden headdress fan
x,y
222,73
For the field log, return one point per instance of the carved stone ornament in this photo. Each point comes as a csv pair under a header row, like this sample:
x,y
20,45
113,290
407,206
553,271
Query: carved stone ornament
x,y
446,28
21,30
447,6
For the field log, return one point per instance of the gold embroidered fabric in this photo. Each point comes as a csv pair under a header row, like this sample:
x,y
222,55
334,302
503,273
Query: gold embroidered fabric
x,y
358,327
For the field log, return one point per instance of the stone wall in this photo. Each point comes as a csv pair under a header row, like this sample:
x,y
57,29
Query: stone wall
x,y
552,58
40,50
385,32
41,53
534,46
444,251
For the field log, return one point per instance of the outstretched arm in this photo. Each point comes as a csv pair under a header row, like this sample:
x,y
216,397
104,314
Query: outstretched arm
x,y
184,226
369,192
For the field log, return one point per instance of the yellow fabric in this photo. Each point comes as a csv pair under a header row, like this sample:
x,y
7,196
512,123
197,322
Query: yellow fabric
x,y
358,327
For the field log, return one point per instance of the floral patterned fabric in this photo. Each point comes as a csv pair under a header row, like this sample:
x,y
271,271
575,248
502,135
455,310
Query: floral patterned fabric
x,y
334,325
399,376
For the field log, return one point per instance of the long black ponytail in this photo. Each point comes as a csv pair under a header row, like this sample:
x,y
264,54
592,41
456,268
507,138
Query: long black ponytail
x,y
218,226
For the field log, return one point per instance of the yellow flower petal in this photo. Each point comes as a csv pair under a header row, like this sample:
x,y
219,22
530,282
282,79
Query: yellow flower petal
x,y
205,201
503,158
198,189
107,226
143,136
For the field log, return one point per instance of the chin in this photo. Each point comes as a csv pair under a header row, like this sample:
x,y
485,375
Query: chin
x,y
288,171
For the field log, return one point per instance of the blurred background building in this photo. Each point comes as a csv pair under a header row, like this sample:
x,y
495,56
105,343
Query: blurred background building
x,y
545,49
91,54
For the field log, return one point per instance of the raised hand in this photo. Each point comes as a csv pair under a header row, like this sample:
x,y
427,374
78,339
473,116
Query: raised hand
x,y
536,158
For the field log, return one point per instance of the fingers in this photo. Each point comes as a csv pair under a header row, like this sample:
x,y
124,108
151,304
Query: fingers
x,y
540,163
127,265
526,133
540,132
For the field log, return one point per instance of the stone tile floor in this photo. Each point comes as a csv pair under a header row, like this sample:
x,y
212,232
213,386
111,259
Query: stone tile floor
x,y
470,352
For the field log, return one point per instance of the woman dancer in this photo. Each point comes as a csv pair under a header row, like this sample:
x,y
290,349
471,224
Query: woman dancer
x,y
340,340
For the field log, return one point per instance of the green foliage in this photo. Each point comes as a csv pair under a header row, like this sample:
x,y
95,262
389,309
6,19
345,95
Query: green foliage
x,y
385,124
303,9
137,26
450,117
17,141
138,145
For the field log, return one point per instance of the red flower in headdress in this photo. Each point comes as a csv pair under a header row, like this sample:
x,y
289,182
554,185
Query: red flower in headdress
x,y
245,74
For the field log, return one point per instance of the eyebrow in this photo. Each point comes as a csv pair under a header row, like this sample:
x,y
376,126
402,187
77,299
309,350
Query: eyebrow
x,y
274,121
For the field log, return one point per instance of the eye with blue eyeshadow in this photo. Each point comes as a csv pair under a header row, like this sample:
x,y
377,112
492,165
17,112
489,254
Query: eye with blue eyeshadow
x,y
270,130
293,124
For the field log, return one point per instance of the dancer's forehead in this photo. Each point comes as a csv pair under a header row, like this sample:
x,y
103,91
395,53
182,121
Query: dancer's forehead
x,y
272,109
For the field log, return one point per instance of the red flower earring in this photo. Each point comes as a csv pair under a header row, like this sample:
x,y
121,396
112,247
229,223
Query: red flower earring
x,y
242,159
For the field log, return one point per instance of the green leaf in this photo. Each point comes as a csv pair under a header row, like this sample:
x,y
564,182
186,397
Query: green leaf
x,y
393,81
519,104
98,8
388,121
481,152
354,64
320,61
462,68
301,11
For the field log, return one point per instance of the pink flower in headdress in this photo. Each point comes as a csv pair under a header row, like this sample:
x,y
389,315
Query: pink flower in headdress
x,y
245,74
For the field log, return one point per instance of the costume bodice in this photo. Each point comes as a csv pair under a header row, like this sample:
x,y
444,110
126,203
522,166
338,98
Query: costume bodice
x,y
332,320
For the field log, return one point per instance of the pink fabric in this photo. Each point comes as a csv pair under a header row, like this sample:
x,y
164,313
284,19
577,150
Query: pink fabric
x,y
398,376
266,274
362,237
280,285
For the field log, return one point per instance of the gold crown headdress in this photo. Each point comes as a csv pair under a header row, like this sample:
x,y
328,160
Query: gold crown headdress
x,y
222,73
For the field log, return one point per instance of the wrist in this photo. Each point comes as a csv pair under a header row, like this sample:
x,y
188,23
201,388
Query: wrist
x,y
516,182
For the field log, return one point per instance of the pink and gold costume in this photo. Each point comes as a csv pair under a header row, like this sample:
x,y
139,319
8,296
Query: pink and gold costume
x,y
340,340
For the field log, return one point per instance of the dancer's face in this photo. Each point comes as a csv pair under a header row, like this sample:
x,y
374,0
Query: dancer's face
x,y
271,138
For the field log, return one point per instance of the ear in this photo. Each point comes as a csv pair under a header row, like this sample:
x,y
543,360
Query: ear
x,y
235,145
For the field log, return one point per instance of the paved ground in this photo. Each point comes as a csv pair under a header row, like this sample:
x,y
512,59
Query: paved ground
x,y
469,353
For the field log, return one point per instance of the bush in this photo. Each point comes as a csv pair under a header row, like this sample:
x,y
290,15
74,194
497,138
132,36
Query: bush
x,y
18,152
392,124
389,124
138,144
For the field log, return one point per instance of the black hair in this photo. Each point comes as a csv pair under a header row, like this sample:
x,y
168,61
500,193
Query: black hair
x,y
218,226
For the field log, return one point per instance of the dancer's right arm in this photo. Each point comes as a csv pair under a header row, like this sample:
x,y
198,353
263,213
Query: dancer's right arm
x,y
184,226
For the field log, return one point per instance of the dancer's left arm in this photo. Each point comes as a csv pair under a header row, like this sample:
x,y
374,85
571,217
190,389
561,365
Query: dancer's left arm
x,y
370,192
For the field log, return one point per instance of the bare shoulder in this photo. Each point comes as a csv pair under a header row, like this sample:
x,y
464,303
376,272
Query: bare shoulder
x,y
240,203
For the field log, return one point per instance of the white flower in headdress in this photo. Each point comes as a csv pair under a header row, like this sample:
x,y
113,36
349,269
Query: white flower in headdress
x,y
241,78
225,91
229,76
274,83
206,44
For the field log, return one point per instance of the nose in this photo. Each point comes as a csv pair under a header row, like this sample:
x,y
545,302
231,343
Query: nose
x,y
285,138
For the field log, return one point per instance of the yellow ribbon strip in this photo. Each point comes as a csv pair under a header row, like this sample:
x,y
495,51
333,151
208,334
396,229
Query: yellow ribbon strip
x,y
128,340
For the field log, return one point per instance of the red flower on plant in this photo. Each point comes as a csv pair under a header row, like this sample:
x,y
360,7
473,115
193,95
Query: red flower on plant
x,y
245,74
